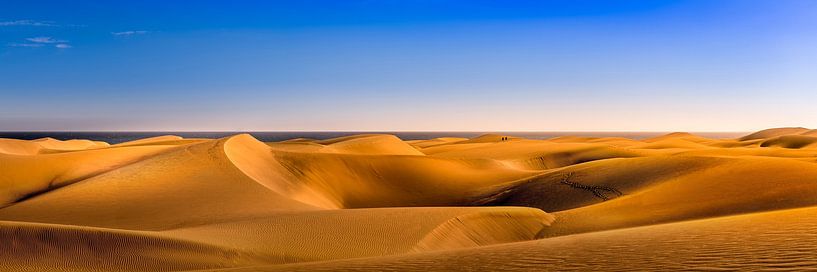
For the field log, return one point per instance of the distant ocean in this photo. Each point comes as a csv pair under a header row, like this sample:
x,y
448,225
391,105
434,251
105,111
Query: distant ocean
x,y
267,136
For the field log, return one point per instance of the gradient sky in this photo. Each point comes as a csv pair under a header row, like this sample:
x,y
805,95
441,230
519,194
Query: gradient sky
x,y
475,65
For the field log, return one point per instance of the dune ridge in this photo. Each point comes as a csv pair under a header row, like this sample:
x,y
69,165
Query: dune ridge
x,y
46,145
375,202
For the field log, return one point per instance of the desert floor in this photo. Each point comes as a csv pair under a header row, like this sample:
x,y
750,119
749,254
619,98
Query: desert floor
x,y
377,203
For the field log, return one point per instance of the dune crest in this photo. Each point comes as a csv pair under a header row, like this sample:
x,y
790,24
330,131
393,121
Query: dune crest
x,y
46,145
775,132
371,145
69,145
151,140
257,161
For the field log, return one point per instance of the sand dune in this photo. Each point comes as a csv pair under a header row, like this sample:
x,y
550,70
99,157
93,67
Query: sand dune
x,y
722,187
341,180
435,141
69,145
370,145
159,140
46,145
189,185
26,176
790,141
19,147
49,247
530,154
265,241
352,233
775,132
755,242
374,202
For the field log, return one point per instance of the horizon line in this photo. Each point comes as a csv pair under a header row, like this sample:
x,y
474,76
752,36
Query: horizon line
x,y
459,131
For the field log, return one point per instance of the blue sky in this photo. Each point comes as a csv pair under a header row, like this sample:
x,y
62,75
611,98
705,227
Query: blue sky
x,y
408,65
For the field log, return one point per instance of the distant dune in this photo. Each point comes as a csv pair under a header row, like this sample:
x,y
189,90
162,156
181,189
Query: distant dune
x,y
374,203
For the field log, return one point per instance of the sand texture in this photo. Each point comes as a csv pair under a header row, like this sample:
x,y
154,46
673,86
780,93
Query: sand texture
x,y
377,203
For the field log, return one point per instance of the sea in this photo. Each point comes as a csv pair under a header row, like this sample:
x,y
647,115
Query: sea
x,y
114,137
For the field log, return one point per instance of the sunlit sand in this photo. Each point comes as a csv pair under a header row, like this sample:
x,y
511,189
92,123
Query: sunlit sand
x,y
375,202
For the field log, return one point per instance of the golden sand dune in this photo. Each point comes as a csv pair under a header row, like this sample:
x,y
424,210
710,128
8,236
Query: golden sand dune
x,y
340,180
19,147
45,145
265,240
69,145
812,132
685,136
371,232
49,247
775,241
790,141
435,141
358,145
531,154
721,187
776,132
375,202
189,185
670,144
160,140
26,176
370,145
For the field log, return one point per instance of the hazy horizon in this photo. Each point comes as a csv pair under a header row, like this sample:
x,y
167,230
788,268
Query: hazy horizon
x,y
560,131
115,137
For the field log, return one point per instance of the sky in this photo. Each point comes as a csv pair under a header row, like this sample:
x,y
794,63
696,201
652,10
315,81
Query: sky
x,y
386,65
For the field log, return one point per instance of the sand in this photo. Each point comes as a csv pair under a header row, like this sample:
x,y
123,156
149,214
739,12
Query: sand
x,y
377,203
